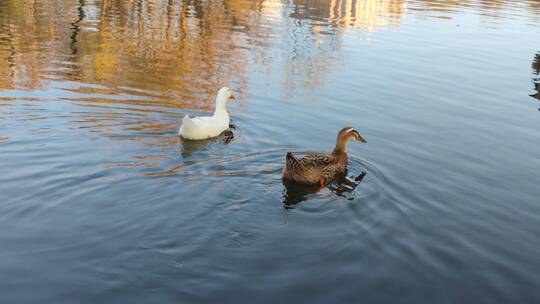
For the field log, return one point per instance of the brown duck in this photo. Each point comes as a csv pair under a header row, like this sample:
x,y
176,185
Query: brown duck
x,y
318,168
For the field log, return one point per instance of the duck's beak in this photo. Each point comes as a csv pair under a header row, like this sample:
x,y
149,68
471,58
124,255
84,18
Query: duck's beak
x,y
232,97
360,138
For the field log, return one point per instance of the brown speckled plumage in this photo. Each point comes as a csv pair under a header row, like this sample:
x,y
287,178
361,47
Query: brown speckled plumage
x,y
316,168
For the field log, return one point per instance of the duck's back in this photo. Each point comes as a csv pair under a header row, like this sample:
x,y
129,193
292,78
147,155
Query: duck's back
x,y
313,167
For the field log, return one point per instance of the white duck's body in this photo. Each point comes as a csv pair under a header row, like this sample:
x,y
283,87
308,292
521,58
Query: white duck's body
x,y
199,128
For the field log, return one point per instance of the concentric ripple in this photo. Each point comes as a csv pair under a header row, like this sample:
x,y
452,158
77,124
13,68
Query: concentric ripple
x,y
210,160
100,198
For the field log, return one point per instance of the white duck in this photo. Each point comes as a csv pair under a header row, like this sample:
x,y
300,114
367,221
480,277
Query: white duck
x,y
198,128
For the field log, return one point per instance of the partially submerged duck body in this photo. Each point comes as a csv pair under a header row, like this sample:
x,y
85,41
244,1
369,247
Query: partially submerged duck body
x,y
318,168
199,128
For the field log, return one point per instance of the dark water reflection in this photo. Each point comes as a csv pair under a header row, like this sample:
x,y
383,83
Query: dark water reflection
x,y
101,201
536,79
343,186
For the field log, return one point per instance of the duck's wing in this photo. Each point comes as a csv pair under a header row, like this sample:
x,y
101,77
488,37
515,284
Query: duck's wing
x,y
202,127
201,122
192,123
310,162
326,165
318,160
202,119
311,168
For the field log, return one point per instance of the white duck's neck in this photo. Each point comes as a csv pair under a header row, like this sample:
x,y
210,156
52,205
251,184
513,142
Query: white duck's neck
x,y
221,106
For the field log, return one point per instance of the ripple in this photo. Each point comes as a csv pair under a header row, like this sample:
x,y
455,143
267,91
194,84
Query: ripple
x,y
345,186
362,181
98,187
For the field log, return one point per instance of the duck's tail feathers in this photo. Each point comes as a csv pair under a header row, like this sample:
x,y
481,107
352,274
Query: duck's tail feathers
x,y
186,119
290,156
291,161
186,123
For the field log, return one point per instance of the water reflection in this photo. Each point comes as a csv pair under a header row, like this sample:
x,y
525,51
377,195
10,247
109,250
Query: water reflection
x,y
314,36
445,9
536,71
369,15
343,185
189,147
168,50
178,52
91,97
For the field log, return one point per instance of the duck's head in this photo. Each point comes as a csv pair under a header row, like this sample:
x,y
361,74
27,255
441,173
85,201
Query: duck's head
x,y
344,136
224,94
349,133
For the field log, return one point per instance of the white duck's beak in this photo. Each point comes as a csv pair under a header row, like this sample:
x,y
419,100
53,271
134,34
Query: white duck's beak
x,y
232,97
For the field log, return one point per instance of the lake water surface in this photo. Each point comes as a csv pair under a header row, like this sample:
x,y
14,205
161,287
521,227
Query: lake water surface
x,y
102,202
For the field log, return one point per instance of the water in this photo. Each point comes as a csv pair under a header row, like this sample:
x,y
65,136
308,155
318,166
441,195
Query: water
x,y
101,202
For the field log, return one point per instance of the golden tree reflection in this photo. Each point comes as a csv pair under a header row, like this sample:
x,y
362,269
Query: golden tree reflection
x,y
369,15
178,53
173,50
165,50
168,49
311,53
31,37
